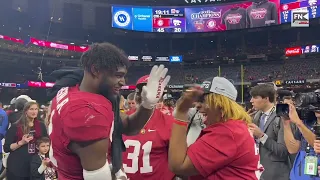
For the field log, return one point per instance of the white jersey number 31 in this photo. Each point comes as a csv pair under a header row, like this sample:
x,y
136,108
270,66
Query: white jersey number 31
x,y
134,157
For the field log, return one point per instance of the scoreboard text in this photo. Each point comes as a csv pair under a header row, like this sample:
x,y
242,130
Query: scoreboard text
x,y
169,20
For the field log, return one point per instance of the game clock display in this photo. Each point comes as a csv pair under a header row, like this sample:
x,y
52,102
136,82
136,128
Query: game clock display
x,y
170,20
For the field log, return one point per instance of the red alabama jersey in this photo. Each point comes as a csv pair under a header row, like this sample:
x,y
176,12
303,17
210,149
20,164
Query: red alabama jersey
x,y
146,156
225,151
76,116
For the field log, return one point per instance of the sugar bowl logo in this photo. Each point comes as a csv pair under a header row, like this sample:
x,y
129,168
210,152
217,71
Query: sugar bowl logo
x,y
122,18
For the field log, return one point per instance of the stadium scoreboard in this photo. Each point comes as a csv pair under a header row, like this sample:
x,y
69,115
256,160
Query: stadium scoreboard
x,y
168,20
212,18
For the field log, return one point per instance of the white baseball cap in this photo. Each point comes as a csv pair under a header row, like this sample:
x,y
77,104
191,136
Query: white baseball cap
x,y
220,85
26,98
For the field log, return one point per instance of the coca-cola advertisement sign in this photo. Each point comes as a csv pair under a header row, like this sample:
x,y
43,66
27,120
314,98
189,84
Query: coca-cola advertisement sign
x,y
293,51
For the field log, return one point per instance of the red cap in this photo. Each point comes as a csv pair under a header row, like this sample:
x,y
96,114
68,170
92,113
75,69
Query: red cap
x,y
143,80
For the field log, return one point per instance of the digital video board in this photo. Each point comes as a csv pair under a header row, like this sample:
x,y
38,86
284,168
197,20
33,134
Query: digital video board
x,y
240,15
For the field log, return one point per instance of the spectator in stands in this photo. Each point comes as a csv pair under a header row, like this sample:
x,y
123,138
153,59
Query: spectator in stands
x,y
20,142
1,105
268,132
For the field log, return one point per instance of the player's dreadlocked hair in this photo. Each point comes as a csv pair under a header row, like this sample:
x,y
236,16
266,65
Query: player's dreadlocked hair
x,y
104,56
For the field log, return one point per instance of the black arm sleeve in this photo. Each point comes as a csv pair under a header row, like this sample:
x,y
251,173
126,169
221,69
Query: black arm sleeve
x,y
11,137
34,166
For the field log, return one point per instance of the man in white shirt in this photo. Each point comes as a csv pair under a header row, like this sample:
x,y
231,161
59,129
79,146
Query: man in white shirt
x,y
269,134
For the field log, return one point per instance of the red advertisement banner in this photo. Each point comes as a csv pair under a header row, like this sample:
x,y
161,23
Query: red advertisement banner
x,y
293,51
50,44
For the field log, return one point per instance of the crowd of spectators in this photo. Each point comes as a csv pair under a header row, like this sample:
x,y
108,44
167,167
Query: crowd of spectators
x,y
182,73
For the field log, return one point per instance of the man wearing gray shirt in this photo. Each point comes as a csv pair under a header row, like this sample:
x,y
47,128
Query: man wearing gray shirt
x,y
262,13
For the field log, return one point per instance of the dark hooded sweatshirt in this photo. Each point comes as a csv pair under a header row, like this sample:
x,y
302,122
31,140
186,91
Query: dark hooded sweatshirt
x,y
262,13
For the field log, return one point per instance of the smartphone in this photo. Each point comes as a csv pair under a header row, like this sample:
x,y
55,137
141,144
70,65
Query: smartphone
x,y
282,110
31,133
248,105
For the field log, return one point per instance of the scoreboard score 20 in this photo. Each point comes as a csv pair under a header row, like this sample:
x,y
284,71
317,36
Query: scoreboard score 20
x,y
171,20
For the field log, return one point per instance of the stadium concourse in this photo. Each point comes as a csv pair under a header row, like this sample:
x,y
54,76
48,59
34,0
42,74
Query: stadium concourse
x,y
245,67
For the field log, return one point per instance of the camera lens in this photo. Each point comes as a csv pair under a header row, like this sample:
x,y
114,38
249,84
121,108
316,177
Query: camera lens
x,y
306,99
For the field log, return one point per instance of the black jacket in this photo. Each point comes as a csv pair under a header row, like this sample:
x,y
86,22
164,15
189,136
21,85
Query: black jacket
x,y
35,164
18,162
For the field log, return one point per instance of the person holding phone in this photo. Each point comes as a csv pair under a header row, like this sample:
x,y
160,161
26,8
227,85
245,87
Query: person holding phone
x,y
20,142
300,142
41,166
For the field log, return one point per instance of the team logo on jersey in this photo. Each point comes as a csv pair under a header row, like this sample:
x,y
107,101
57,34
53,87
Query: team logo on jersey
x,y
122,18
259,13
234,18
211,24
143,131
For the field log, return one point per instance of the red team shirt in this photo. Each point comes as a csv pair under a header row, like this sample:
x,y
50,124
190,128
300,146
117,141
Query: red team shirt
x,y
225,151
146,156
76,116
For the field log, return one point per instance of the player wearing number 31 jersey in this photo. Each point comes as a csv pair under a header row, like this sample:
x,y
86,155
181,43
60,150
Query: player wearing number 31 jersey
x,y
146,155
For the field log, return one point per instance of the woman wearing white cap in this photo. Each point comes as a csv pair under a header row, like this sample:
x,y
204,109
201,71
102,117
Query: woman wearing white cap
x,y
225,149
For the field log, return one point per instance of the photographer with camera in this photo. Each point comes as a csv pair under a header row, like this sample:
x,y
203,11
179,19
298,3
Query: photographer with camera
x,y
301,141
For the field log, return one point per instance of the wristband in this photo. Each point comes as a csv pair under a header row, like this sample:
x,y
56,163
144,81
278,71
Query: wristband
x,y
180,122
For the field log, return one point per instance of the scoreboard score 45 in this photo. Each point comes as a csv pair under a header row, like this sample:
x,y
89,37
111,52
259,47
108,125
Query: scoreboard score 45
x,y
170,20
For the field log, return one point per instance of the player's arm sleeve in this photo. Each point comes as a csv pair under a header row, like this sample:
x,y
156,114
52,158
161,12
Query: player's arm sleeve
x,y
274,13
277,147
3,125
88,123
213,151
10,138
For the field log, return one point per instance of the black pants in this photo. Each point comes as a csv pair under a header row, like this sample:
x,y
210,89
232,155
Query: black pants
x,y
11,176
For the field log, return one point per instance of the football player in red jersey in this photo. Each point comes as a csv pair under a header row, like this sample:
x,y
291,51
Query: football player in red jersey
x,y
82,116
225,149
146,157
